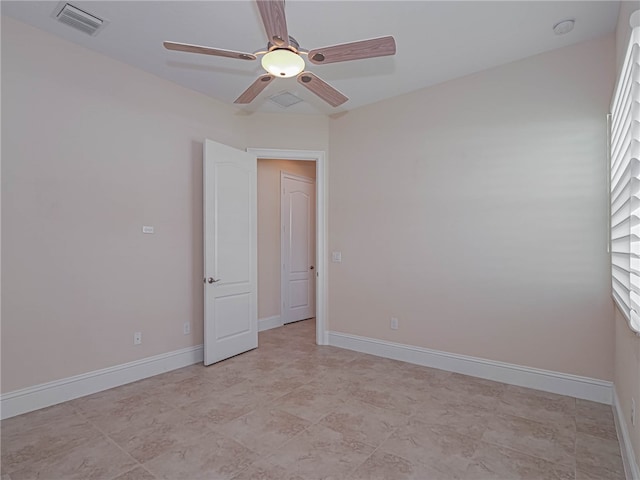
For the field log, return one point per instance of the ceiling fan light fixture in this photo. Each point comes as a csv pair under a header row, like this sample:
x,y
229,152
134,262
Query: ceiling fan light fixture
x,y
283,63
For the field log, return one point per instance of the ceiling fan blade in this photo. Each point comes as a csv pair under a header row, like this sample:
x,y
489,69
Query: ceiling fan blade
x,y
254,89
185,47
322,89
275,22
376,47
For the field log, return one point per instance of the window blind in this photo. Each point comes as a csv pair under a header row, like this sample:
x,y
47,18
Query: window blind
x,y
625,185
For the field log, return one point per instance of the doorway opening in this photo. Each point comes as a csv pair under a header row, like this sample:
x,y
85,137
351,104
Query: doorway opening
x,y
272,276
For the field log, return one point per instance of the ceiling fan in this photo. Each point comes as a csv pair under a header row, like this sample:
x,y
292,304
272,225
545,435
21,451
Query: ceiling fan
x,y
283,56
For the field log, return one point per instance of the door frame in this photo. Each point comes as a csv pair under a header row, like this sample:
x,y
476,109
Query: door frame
x,y
321,225
283,280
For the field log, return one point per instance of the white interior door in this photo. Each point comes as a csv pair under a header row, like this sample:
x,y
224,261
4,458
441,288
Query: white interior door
x,y
298,247
230,252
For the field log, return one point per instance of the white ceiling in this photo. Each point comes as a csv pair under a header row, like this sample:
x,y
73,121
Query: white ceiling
x,y
436,41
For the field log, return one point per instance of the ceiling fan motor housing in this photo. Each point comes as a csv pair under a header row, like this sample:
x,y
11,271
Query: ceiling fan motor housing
x,y
293,45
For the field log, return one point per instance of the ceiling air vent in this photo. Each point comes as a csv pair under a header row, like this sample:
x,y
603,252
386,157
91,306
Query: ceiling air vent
x,y
285,99
79,19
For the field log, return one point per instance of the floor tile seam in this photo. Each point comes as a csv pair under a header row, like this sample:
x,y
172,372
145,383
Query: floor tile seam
x,y
114,443
183,403
209,382
592,419
420,461
261,456
251,464
255,406
378,406
537,422
104,432
530,455
352,471
92,423
215,427
608,414
289,440
571,411
270,404
263,407
319,422
195,437
85,413
571,428
614,436
381,409
160,427
131,470
620,471
268,400
618,450
513,448
573,469
589,471
608,426
430,423
171,407
35,429
23,465
514,403
595,437
269,454
178,406
102,435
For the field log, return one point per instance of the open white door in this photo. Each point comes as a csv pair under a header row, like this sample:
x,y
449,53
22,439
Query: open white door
x,y
230,252
298,208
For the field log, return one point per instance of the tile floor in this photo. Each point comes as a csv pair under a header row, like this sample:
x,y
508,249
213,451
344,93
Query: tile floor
x,y
292,410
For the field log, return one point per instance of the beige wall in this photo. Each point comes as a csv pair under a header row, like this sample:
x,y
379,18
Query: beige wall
x,y
293,132
269,229
627,345
92,149
475,212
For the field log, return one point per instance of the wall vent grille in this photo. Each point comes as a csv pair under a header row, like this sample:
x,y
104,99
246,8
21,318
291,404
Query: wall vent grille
x,y
79,19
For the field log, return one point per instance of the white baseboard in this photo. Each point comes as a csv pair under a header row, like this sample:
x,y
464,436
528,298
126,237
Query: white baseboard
x,y
631,469
50,393
268,323
546,380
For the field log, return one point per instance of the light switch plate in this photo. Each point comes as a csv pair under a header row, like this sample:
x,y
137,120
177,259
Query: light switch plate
x,y
336,257
147,229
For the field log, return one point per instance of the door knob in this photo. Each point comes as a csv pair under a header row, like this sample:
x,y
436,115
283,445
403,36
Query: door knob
x,y
311,267
212,280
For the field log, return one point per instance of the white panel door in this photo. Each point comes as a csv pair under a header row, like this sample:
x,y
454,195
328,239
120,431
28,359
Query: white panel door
x,y
298,247
230,252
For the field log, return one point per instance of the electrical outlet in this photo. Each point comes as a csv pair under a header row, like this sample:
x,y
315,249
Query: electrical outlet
x,y
393,324
137,338
633,411
186,328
